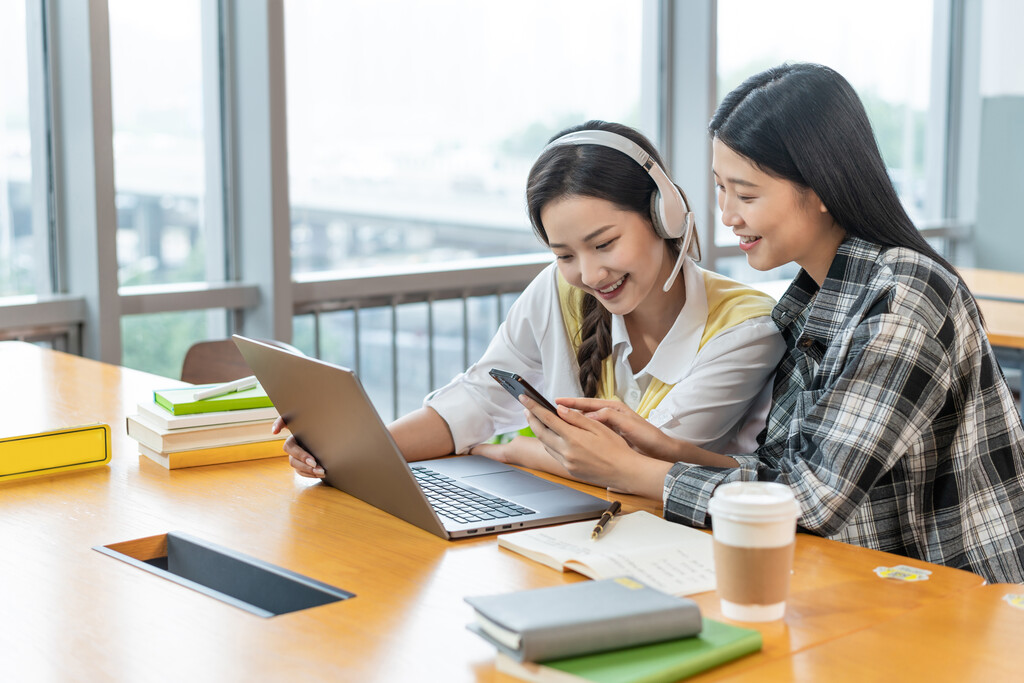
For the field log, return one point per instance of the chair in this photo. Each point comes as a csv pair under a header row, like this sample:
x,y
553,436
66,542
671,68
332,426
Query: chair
x,y
218,360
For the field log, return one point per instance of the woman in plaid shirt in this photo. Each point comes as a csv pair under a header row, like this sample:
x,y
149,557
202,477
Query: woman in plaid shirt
x,y
891,420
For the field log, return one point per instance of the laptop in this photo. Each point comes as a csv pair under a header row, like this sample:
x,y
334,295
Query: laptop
x,y
331,416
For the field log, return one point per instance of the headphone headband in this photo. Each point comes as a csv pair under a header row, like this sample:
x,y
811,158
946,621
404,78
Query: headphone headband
x,y
670,214
605,139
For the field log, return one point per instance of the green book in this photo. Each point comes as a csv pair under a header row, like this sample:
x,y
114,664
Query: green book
x,y
665,662
181,401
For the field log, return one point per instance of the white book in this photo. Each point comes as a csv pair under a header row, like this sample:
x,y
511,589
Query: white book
x,y
157,415
210,436
673,558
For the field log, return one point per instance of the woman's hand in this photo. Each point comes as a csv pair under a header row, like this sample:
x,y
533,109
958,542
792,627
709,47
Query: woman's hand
x,y
638,432
592,452
525,451
300,459
643,436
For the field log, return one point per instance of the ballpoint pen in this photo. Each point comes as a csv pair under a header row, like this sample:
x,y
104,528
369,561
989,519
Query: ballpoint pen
x,y
226,388
606,517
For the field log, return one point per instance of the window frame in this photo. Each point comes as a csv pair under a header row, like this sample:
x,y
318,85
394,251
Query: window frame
x,y
251,288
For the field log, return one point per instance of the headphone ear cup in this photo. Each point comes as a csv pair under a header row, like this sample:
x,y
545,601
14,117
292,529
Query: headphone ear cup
x,y
656,216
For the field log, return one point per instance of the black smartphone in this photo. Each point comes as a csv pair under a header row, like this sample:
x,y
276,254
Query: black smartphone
x,y
517,386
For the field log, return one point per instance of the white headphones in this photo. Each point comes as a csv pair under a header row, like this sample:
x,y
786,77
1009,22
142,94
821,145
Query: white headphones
x,y
670,215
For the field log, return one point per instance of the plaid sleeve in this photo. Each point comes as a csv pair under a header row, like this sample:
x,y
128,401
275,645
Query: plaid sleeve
x,y
884,387
688,488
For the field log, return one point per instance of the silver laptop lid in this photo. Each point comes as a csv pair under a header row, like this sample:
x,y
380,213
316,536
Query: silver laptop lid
x,y
331,416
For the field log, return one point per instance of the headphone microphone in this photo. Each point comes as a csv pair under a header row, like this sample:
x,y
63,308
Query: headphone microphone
x,y
670,214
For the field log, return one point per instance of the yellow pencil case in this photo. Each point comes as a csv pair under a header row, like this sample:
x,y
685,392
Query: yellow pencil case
x,y
73,448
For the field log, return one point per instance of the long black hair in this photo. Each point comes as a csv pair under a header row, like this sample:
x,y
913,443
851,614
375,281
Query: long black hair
x,y
590,170
804,123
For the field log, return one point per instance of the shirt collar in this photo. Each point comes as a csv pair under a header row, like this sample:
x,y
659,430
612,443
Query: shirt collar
x,y
838,295
683,338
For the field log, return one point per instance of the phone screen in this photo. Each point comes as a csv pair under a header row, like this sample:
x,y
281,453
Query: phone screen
x,y
517,386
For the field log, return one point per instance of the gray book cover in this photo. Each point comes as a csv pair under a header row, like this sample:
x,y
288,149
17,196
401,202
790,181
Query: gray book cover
x,y
581,618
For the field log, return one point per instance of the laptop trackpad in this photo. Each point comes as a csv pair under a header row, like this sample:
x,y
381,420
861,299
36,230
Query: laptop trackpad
x,y
511,484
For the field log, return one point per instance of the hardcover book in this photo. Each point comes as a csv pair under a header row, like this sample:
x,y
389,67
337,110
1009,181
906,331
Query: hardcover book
x,y
160,417
182,401
665,662
581,618
256,450
209,436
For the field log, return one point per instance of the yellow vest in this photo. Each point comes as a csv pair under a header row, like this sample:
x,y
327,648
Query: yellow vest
x,y
729,304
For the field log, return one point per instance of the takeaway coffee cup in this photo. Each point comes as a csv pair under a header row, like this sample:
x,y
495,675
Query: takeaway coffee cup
x,y
754,528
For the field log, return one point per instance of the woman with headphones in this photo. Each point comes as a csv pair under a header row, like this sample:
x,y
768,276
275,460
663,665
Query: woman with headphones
x,y
623,316
890,420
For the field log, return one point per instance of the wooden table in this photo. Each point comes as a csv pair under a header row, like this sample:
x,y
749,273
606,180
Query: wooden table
x,y
1004,321
1000,296
71,613
997,285
976,637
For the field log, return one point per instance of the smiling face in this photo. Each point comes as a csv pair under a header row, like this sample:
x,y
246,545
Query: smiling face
x,y
606,251
776,221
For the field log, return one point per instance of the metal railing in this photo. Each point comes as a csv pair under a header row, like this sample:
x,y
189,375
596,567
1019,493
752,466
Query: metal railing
x,y
459,306
55,321
373,303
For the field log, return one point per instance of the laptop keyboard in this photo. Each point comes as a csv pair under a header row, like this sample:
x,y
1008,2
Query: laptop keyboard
x,y
460,504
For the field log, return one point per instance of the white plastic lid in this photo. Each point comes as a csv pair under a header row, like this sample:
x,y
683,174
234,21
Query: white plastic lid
x,y
754,501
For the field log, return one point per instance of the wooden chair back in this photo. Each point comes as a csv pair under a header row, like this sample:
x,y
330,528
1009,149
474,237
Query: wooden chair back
x,y
218,360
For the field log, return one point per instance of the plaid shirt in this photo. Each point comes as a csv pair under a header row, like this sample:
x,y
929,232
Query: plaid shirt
x,y
890,420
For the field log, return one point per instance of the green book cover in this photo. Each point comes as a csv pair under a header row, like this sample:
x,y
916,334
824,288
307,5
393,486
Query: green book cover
x,y
666,662
181,401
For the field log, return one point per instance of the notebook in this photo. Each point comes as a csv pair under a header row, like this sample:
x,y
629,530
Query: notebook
x,y
582,618
329,413
666,662
670,557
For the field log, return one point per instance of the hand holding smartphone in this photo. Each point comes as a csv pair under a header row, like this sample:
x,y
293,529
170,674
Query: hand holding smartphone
x,y
517,386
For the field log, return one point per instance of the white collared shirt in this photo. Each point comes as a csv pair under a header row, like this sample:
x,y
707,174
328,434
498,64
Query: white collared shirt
x,y
718,402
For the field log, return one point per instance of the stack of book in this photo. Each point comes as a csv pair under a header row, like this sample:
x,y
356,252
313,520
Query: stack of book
x,y
176,430
615,630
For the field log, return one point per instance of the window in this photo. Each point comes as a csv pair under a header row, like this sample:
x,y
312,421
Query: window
x,y
157,342
20,262
156,57
883,48
412,126
156,84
